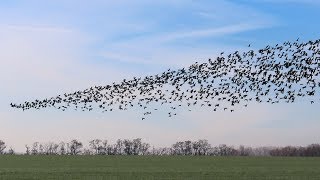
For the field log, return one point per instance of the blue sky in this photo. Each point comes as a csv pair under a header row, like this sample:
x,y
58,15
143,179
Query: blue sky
x,y
52,47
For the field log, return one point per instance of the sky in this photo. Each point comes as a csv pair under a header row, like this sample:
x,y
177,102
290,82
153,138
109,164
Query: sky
x,y
52,47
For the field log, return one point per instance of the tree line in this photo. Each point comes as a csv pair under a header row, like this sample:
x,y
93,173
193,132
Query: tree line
x,y
137,147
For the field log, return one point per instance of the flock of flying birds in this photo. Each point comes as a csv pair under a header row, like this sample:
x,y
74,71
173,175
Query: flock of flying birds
x,y
280,73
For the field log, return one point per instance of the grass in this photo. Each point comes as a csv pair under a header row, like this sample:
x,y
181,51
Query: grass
x,y
156,167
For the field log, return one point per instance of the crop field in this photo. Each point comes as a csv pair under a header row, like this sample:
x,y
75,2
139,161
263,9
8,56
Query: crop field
x,y
158,167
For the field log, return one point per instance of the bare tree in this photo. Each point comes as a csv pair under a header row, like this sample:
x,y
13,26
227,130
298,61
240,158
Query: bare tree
x,y
75,147
187,148
177,148
11,151
196,148
184,148
98,146
34,150
87,151
144,148
128,146
50,148
62,148
204,146
119,147
244,151
262,151
313,150
41,149
224,150
94,145
112,150
27,149
137,145
2,146
162,151
103,148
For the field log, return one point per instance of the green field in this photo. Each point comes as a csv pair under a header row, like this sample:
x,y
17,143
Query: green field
x,y
156,167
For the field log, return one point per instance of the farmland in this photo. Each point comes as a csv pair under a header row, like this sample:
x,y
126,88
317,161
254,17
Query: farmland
x,y
157,167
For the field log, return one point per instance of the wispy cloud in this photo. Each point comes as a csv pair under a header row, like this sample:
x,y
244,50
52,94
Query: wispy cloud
x,y
310,2
153,49
36,28
212,32
180,40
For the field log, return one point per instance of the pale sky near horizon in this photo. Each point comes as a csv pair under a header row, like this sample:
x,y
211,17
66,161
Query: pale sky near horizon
x,y
52,47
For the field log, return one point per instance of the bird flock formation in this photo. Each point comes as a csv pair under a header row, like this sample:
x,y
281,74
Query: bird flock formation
x,y
280,73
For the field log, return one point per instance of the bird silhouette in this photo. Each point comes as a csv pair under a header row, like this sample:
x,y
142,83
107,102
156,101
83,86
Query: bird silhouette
x,y
273,74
